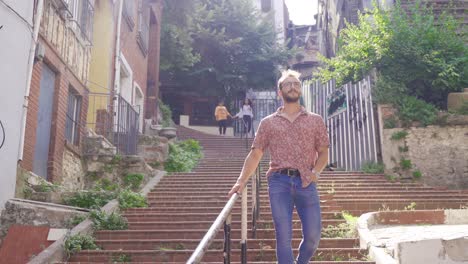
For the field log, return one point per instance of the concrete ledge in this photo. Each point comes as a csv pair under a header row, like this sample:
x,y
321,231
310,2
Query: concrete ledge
x,y
443,250
56,252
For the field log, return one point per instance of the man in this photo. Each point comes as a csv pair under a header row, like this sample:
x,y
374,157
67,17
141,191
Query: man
x,y
298,144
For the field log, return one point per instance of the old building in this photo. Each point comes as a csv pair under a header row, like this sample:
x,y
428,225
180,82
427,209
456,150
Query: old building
x,y
58,92
305,37
124,71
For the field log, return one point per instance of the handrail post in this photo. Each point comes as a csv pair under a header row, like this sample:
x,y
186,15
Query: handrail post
x,y
254,205
227,240
244,227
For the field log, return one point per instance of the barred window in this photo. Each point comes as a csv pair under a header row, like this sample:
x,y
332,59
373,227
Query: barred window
x,y
72,127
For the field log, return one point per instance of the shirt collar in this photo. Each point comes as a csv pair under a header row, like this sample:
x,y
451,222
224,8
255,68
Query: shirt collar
x,y
279,111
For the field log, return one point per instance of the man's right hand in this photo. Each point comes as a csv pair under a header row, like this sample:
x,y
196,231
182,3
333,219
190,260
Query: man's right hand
x,y
237,188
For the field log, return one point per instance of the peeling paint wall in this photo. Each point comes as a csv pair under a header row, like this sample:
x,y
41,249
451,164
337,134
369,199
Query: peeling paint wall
x,y
64,36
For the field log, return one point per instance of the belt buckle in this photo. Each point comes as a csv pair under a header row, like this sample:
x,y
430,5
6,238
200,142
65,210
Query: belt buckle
x,y
290,172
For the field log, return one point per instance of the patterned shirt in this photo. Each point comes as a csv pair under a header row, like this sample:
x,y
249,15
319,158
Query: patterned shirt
x,y
292,144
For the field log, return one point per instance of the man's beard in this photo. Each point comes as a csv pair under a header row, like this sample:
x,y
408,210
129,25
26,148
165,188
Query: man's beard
x,y
289,99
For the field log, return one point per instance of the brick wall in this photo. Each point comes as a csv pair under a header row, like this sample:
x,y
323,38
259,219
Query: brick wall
x,y
132,52
64,79
153,62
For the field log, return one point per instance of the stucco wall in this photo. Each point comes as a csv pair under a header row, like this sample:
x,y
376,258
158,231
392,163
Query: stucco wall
x,y
15,35
440,153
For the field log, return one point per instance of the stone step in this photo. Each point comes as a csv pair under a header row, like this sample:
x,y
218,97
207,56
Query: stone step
x,y
231,180
203,224
210,255
207,216
233,262
157,244
180,233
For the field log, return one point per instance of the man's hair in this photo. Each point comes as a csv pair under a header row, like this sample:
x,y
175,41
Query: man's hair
x,y
286,74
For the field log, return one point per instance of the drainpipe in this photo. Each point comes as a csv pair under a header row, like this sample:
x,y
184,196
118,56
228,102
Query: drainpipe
x,y
117,51
32,53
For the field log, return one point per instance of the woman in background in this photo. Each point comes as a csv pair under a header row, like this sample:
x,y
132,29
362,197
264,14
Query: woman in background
x,y
221,115
246,113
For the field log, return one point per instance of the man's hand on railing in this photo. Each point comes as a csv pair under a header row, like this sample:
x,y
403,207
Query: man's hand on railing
x,y
237,188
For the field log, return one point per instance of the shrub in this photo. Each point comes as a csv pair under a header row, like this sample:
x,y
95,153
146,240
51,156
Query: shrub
x,y
128,199
112,221
166,114
106,185
373,168
405,164
183,156
399,135
76,243
417,174
390,122
75,220
90,199
410,207
403,149
463,109
133,180
122,258
45,186
411,109
390,177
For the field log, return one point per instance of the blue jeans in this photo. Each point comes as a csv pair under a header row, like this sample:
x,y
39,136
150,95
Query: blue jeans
x,y
286,193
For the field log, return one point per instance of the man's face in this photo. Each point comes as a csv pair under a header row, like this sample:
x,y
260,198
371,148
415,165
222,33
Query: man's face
x,y
290,90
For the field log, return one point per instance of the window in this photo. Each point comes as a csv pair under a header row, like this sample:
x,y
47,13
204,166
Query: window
x,y
82,14
143,28
266,5
72,127
128,11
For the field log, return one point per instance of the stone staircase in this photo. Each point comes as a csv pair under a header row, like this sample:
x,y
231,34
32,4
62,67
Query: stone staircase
x,y
184,205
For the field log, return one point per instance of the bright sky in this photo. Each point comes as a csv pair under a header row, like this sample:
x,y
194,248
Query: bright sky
x,y
302,12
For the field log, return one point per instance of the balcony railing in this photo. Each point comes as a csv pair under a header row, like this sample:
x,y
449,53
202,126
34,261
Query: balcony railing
x,y
82,16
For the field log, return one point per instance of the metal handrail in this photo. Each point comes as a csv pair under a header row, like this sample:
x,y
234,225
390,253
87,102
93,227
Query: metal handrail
x,y
205,243
225,217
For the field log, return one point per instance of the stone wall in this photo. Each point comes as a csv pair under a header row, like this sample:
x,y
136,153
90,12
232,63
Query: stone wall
x,y
72,171
153,149
24,212
439,153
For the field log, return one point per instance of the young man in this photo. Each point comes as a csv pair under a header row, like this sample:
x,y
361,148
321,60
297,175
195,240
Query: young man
x,y
298,144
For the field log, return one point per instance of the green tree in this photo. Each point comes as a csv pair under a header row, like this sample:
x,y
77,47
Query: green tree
x,y
415,53
234,47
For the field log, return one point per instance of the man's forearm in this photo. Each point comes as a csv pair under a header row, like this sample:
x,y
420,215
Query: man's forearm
x,y
250,165
322,160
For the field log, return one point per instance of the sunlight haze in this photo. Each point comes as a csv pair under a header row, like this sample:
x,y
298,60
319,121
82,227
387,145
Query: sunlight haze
x,y
302,12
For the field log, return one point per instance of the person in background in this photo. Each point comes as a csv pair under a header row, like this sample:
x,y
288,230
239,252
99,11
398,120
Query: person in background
x,y
246,113
221,115
297,141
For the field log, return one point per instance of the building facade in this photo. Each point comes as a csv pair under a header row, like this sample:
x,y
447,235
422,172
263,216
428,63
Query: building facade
x,y
124,72
58,92
16,25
